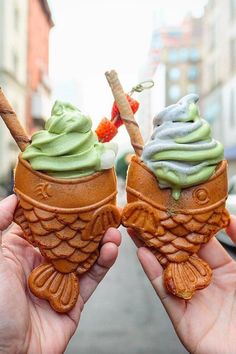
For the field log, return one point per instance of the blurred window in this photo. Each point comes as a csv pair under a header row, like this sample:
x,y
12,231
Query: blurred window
x,y
232,108
174,34
173,56
16,18
174,74
194,54
192,88
193,73
174,92
233,55
183,54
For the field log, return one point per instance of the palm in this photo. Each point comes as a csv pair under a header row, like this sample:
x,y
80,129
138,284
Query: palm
x,y
29,324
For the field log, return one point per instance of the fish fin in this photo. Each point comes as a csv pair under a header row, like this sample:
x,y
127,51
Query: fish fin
x,y
183,279
104,218
60,289
142,217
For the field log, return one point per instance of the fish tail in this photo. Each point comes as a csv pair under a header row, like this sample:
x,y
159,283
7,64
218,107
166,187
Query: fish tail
x,y
183,279
60,289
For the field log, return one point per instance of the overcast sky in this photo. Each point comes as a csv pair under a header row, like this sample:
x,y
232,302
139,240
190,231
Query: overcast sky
x,y
92,36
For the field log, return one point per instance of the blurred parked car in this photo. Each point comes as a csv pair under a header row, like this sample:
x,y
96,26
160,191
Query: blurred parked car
x,y
231,206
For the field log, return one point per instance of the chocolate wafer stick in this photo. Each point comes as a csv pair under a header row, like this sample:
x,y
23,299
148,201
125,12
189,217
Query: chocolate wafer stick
x,y
126,112
12,122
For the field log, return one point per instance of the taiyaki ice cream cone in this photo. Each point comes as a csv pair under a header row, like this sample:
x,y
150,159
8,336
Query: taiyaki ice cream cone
x,y
67,189
176,193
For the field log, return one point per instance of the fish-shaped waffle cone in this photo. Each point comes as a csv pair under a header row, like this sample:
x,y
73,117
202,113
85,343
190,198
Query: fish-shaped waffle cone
x,y
175,230
66,219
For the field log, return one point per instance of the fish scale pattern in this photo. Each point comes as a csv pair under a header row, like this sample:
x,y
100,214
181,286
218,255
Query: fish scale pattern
x,y
73,237
173,237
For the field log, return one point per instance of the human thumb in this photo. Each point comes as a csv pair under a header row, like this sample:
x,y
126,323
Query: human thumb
x,y
7,208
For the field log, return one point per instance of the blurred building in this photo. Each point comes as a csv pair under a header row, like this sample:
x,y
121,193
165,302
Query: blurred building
x,y
39,90
24,31
13,71
175,66
181,54
219,73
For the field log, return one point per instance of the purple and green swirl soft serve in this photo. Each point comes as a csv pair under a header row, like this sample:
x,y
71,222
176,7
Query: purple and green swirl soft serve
x,y
181,151
68,148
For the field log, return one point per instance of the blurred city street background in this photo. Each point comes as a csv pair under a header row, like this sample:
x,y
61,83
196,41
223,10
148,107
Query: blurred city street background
x,y
60,50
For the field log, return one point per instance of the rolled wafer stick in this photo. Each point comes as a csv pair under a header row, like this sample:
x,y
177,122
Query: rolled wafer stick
x,y
126,112
12,122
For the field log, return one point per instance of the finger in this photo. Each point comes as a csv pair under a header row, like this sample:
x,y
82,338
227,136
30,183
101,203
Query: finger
x,y
15,229
108,255
134,237
75,313
90,280
214,254
7,208
112,235
150,264
231,229
175,307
